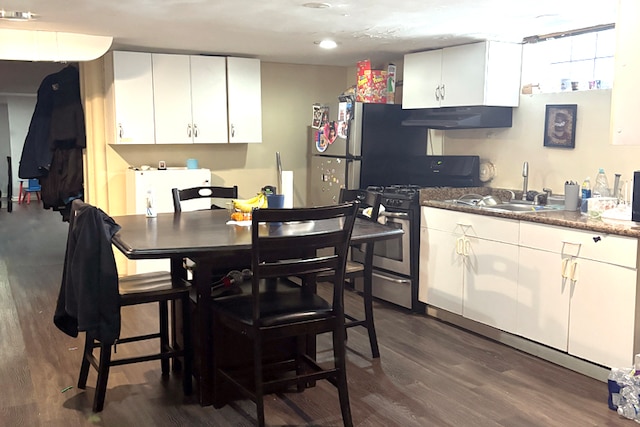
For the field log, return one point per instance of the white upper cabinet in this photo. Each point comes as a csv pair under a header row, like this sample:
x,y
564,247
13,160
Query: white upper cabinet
x,y
244,93
485,73
129,98
190,99
182,99
625,96
422,78
209,99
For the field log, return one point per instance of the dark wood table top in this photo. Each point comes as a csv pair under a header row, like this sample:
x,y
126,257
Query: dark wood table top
x,y
206,231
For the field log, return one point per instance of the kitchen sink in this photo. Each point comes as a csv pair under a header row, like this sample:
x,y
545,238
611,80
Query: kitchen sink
x,y
516,206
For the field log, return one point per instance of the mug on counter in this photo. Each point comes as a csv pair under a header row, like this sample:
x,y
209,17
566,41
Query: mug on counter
x,y
571,197
192,163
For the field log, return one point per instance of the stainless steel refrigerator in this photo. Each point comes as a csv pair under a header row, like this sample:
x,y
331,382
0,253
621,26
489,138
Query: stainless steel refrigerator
x,y
376,151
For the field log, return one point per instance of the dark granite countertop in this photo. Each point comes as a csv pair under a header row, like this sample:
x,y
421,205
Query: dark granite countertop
x,y
435,197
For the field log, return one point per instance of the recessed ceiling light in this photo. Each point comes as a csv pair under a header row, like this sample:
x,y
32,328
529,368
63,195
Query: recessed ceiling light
x,y
10,15
316,5
327,44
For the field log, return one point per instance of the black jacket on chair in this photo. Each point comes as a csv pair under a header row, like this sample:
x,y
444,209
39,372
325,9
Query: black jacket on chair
x,y
89,297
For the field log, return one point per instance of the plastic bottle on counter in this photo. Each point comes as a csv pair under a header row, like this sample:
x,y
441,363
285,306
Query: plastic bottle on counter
x,y
150,207
601,187
586,193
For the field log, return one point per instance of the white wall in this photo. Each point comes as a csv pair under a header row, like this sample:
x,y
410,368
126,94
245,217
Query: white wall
x,y
19,109
18,90
5,148
20,112
549,167
288,93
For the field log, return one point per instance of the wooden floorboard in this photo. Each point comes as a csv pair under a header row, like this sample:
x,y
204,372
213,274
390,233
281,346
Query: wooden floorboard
x,y
429,374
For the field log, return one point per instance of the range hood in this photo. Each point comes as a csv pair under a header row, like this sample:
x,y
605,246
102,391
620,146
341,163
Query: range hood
x,y
475,117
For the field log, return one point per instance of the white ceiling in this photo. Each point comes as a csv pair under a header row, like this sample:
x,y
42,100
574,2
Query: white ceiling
x,y
285,31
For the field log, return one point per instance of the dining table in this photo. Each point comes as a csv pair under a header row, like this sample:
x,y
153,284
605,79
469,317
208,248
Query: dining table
x,y
214,244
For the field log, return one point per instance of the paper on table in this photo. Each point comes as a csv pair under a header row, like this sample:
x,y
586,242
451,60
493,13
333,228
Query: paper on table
x,y
243,223
287,188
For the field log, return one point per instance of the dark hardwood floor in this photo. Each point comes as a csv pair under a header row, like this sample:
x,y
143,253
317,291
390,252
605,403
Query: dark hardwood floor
x,y
429,373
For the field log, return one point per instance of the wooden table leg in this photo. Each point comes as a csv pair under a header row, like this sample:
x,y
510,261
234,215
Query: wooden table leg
x,y
201,280
178,273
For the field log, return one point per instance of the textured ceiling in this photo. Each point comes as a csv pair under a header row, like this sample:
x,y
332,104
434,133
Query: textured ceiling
x,y
285,31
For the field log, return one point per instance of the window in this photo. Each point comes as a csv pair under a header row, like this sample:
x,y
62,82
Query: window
x,y
581,60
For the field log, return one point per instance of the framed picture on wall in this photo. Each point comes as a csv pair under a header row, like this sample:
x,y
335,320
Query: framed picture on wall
x,y
560,126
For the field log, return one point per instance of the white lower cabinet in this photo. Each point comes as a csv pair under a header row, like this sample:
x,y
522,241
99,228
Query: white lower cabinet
x,y
572,290
543,299
441,270
577,292
469,266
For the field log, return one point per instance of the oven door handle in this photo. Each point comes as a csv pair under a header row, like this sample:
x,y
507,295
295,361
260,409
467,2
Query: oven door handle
x,y
394,279
394,214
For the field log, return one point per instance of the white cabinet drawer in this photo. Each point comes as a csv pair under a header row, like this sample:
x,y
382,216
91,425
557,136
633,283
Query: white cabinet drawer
x,y
473,225
612,249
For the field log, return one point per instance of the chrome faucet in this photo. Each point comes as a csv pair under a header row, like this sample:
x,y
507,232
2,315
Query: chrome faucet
x,y
525,175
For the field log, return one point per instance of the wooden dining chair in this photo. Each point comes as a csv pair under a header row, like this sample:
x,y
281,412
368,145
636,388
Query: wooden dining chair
x,y
203,192
364,270
92,295
265,316
199,193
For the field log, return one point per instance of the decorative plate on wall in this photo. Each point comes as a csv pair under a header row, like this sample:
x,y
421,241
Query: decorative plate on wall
x,y
487,171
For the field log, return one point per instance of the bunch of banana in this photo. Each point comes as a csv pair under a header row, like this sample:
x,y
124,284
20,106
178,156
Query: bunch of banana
x,y
248,205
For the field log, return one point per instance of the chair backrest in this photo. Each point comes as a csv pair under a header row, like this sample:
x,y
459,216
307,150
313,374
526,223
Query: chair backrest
x,y
367,199
89,299
314,240
202,192
33,185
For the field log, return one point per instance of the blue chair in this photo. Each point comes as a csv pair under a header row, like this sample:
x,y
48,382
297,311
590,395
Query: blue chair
x,y
33,186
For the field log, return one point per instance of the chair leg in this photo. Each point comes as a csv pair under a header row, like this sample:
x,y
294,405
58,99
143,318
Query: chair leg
x,y
368,316
258,379
187,379
20,193
103,377
84,367
163,313
301,349
339,354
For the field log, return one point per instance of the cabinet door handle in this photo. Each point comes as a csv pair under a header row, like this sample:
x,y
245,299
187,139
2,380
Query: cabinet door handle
x,y
437,92
233,130
467,247
459,246
563,272
574,265
442,92
120,130
189,130
195,130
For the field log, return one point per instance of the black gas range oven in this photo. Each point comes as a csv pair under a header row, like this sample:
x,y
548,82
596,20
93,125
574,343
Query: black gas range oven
x,y
396,261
